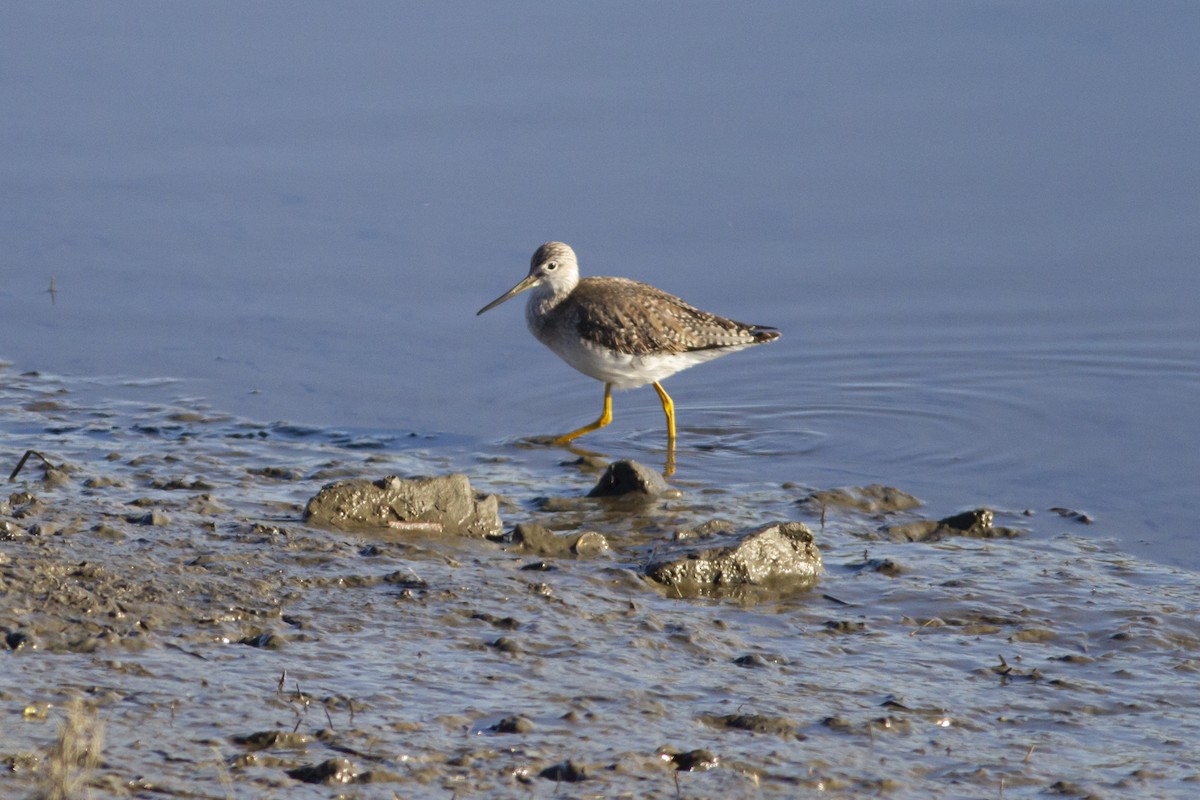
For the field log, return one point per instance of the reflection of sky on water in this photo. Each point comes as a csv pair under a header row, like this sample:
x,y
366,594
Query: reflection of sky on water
x,y
300,208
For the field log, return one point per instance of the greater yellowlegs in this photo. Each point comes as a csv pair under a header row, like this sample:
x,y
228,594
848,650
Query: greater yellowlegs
x,y
619,331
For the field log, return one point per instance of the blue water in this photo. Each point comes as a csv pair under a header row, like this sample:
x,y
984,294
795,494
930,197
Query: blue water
x,y
975,224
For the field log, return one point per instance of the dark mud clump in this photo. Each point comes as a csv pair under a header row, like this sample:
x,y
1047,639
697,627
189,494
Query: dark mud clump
x,y
978,523
690,760
755,723
529,537
1072,514
274,740
873,499
330,772
566,772
514,724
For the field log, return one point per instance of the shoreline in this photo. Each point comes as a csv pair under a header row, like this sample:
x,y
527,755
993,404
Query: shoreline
x,y
161,584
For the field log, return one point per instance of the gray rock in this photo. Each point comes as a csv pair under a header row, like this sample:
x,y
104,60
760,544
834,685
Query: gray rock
x,y
629,478
589,543
155,518
445,504
774,559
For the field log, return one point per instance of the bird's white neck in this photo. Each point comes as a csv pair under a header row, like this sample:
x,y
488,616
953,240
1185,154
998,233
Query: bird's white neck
x,y
543,299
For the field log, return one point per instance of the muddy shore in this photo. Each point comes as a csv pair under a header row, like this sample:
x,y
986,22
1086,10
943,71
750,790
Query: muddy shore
x,y
173,624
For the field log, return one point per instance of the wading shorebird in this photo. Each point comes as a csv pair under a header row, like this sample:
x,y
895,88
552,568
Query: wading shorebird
x,y
622,332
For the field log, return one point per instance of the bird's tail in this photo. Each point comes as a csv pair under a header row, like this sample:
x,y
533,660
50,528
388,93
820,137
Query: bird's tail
x,y
764,333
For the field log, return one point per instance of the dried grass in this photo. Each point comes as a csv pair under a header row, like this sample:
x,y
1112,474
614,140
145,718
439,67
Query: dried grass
x,y
74,756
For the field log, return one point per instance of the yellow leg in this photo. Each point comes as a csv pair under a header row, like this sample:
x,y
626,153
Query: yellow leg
x,y
668,408
605,418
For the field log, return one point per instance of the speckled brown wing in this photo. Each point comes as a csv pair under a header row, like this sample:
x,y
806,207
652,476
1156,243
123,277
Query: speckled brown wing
x,y
639,319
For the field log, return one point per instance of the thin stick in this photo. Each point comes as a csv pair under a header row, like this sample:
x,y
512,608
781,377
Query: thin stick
x,y
24,458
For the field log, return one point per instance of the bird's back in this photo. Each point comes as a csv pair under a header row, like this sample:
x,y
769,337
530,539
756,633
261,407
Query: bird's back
x,y
637,319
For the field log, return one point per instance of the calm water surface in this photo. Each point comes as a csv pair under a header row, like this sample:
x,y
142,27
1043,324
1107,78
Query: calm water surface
x,y
975,225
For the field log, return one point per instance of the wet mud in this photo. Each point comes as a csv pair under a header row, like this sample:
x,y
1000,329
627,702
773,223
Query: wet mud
x,y
194,605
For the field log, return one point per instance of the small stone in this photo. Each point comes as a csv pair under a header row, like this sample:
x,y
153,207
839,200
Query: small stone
x,y
103,482
625,478
691,761
155,518
970,521
331,772
506,645
514,724
590,543
566,772
540,540
19,640
267,641
751,661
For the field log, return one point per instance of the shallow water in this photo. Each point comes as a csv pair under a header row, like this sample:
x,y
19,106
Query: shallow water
x,y
963,667
974,225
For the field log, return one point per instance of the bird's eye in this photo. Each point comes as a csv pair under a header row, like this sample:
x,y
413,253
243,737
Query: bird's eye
x,y
551,266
